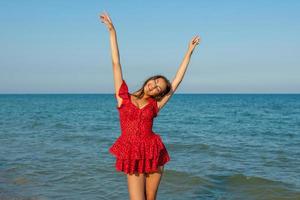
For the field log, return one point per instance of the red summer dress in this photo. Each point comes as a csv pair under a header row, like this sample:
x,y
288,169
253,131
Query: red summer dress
x,y
138,149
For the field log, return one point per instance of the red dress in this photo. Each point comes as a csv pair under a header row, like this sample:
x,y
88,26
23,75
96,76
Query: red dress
x,y
138,148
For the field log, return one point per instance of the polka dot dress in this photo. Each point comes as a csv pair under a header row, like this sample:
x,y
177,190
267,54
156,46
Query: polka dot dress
x,y
138,149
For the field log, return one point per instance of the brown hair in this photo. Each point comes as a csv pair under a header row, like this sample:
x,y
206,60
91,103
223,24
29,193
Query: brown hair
x,y
140,92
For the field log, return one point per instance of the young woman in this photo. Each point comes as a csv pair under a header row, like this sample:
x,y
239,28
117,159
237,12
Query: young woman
x,y
140,153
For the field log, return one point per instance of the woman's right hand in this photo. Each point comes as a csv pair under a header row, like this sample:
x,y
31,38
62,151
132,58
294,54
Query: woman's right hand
x,y
106,19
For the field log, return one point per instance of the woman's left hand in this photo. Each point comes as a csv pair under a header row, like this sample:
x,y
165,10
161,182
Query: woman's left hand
x,y
107,21
194,42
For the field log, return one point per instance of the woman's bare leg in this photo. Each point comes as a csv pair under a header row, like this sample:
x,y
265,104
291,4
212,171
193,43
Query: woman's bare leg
x,y
136,186
152,183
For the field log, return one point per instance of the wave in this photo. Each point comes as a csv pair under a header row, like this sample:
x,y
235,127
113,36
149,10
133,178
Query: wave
x,y
252,187
235,186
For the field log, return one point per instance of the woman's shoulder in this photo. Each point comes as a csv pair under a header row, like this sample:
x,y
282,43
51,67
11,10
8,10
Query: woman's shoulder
x,y
123,90
155,105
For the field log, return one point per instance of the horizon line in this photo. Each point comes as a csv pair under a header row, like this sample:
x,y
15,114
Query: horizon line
x,y
173,94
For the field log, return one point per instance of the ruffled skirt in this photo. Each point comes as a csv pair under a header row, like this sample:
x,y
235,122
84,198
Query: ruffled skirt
x,y
139,155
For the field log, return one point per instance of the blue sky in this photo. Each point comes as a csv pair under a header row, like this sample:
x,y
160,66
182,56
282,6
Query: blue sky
x,y
61,46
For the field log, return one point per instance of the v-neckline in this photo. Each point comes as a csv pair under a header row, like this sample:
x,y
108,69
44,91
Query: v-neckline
x,y
148,102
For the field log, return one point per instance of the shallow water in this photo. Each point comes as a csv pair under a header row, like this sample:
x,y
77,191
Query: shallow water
x,y
221,147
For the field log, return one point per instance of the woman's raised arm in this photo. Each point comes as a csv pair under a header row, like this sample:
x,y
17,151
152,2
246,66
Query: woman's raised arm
x,y
117,70
181,71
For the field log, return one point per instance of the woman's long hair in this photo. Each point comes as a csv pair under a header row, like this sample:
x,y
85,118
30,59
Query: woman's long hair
x,y
140,92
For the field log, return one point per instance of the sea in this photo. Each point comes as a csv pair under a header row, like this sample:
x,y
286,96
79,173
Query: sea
x,y
222,146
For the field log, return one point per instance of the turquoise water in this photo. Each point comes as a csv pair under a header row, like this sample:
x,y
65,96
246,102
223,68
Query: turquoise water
x,y
221,147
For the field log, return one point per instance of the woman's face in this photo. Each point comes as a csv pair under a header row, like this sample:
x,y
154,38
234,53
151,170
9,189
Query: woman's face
x,y
155,87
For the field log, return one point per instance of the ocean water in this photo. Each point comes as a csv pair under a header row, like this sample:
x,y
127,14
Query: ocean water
x,y
222,146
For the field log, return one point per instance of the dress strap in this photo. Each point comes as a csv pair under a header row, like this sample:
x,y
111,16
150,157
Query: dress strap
x,y
123,90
